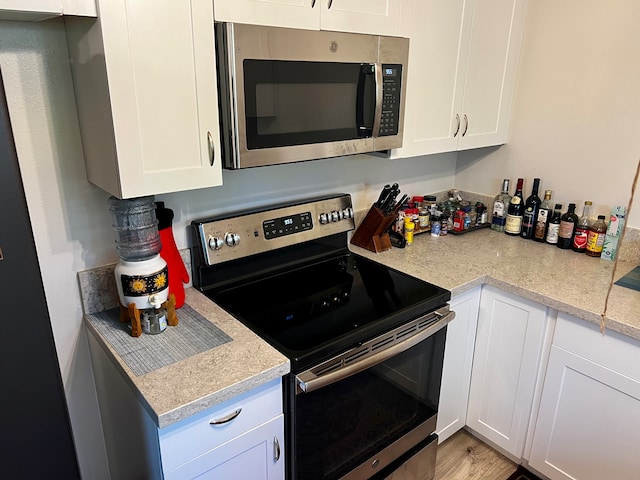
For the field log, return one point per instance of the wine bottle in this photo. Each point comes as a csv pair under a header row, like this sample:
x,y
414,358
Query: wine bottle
x,y
500,207
514,216
543,217
554,225
568,223
531,207
579,241
519,190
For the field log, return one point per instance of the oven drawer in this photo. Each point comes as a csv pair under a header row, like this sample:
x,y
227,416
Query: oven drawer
x,y
186,440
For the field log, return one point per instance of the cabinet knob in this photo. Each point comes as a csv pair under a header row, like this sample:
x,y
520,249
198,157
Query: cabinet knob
x,y
466,125
329,4
313,3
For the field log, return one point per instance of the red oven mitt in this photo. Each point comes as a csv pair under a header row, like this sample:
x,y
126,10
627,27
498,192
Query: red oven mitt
x,y
177,271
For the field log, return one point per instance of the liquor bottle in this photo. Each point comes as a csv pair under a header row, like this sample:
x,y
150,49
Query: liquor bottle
x,y
500,206
568,223
531,207
579,241
554,225
543,217
514,217
595,240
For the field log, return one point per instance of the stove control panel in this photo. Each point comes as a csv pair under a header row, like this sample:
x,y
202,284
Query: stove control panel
x,y
239,235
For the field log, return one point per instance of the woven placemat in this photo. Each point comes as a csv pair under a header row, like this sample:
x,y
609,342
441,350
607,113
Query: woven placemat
x,y
194,334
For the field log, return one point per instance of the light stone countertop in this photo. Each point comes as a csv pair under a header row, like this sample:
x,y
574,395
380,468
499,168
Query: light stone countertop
x,y
177,391
561,279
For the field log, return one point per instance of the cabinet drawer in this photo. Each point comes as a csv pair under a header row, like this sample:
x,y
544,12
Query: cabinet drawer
x,y
185,440
257,455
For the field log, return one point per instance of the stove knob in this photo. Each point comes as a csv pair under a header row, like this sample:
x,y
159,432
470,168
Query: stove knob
x,y
324,219
347,213
231,239
215,243
335,216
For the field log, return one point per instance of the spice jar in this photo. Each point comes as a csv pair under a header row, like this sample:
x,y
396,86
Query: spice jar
x,y
444,225
435,226
408,231
458,221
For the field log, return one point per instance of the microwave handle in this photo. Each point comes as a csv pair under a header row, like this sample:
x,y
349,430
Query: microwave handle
x,y
366,100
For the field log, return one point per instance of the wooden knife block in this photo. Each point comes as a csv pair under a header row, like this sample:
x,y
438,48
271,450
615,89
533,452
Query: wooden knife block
x,y
372,232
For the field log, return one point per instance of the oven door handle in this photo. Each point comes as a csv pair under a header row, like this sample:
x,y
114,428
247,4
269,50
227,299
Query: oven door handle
x,y
308,381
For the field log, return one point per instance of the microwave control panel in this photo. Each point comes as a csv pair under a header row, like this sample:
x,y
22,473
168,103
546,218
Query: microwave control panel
x,y
391,87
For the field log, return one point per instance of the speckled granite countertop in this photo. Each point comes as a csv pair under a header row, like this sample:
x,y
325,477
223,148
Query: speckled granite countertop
x,y
561,279
182,389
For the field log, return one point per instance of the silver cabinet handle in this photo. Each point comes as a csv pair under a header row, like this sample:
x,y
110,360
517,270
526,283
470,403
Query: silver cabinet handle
x,y
329,4
226,419
313,3
212,152
276,449
457,125
466,125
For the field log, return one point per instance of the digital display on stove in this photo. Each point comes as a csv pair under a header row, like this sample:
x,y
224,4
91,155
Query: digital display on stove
x,y
279,227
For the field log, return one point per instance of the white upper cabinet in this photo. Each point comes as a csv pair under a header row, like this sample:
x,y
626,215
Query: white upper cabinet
x,y
34,10
146,91
358,16
463,62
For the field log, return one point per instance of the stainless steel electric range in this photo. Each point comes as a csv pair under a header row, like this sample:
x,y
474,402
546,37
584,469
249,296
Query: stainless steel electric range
x,y
365,342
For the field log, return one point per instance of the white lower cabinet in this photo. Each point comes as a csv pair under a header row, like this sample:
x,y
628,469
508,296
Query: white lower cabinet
x,y
588,425
256,454
240,438
508,351
456,372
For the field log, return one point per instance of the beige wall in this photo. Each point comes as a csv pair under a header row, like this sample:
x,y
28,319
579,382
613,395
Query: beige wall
x,y
576,118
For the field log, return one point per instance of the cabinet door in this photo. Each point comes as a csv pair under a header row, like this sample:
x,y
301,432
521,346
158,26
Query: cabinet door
x,y
505,365
147,99
257,455
439,37
276,13
494,51
380,17
29,10
588,425
456,372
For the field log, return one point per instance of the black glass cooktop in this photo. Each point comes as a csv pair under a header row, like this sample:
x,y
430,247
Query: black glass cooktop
x,y
314,312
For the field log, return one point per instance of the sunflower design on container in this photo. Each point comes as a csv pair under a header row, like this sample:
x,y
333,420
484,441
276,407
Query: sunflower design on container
x,y
140,285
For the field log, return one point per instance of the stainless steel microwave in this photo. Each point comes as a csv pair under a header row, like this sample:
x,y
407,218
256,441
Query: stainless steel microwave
x,y
288,95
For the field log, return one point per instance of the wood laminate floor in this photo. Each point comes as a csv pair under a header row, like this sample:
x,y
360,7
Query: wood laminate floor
x,y
464,457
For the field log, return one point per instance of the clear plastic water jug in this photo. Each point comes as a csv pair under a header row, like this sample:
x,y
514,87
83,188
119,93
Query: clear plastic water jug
x,y
136,227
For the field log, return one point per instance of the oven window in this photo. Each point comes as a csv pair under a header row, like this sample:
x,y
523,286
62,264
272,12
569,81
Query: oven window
x,y
339,426
296,103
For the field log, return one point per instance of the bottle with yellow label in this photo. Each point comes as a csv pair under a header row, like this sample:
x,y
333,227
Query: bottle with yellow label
x,y
596,236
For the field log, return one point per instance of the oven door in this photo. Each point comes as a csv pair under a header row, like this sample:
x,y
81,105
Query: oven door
x,y
358,415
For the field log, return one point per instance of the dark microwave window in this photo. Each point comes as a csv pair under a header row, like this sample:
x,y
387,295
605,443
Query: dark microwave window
x,y
296,103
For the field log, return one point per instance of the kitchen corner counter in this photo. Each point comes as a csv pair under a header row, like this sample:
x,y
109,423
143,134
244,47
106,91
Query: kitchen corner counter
x,y
561,279
177,391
